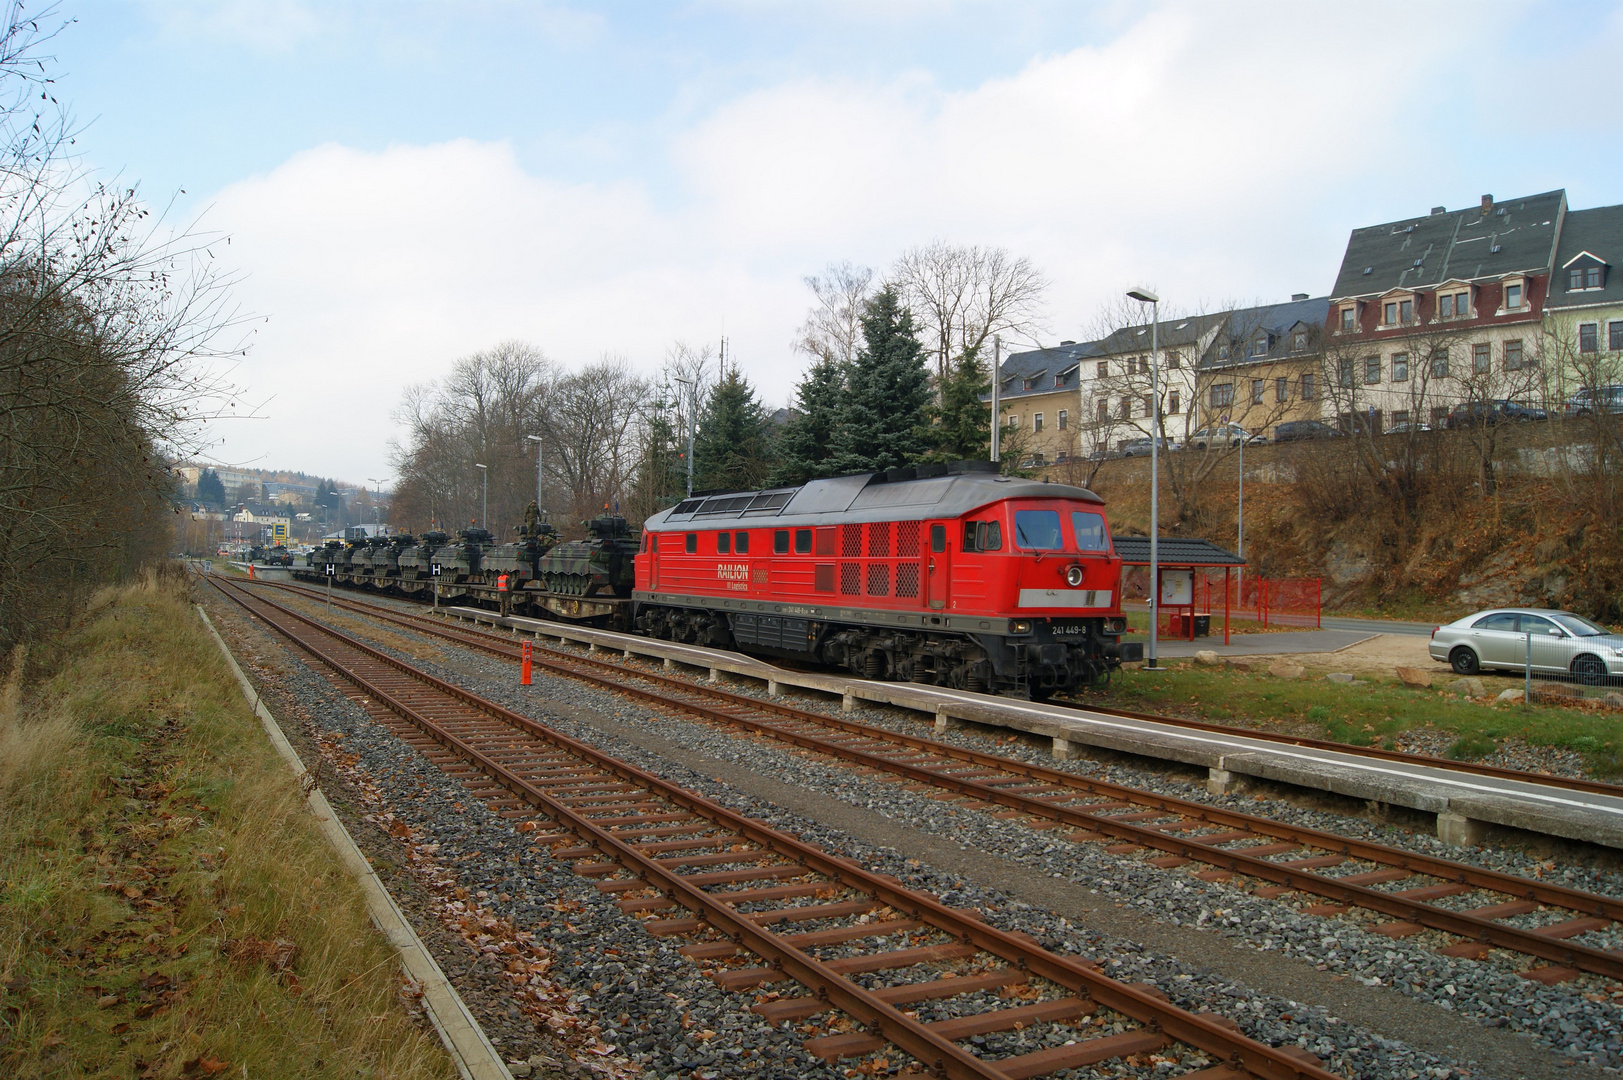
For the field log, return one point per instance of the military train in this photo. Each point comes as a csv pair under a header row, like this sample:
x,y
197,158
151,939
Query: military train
x,y
946,575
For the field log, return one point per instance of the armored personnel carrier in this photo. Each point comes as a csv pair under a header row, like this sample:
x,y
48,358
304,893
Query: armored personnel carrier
x,y
517,561
599,565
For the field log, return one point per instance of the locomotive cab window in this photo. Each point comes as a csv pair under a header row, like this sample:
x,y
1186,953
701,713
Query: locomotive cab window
x,y
1037,530
692,543
724,543
983,536
938,538
780,541
1090,531
741,543
803,541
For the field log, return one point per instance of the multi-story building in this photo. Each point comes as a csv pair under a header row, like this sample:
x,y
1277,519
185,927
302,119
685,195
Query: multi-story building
x,y
1433,311
1038,397
1264,366
1583,315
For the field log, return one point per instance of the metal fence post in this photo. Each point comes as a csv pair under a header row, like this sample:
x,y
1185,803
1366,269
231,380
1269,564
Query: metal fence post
x,y
1527,682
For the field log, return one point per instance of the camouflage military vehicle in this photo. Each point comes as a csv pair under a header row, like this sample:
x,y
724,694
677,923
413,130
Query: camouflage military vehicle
x,y
386,558
279,555
416,561
517,561
462,560
599,565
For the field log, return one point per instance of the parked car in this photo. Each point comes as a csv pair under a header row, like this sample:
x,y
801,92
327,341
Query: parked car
x,y
1141,447
1594,399
1297,430
1474,413
1562,644
1223,435
1407,427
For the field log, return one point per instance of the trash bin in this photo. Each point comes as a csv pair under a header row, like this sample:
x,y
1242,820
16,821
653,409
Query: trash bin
x,y
1203,625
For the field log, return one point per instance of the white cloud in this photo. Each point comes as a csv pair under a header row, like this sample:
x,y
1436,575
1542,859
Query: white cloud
x,y
1210,153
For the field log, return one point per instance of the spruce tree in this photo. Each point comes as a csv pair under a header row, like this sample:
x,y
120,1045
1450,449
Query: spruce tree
x,y
730,447
804,447
960,430
882,419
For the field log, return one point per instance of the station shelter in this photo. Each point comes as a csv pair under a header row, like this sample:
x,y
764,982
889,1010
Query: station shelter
x,y
1185,564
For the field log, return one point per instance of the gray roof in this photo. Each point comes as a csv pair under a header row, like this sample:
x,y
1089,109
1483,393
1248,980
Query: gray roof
x,y
1277,321
1174,551
1600,233
1514,236
1173,333
1060,361
859,498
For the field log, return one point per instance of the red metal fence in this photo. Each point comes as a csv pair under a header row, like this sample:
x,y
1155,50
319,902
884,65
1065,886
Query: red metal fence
x,y
1270,601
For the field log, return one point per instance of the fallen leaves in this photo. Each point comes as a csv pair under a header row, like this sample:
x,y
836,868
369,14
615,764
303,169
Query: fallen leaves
x,y
277,955
203,1065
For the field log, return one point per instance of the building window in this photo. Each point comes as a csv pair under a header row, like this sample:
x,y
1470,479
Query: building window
x,y
1222,395
1439,362
1143,365
1259,387
1584,277
1344,372
1174,359
1614,336
1149,405
1063,417
1389,314
1513,297
1223,351
1406,311
1513,355
1592,277
1439,416
1575,279
1104,369
1282,389
1298,341
1349,318
1400,416
1481,358
1126,412
1400,367
1172,403
1030,384
1103,410
1307,388
1259,347
1372,370
1589,337
1036,421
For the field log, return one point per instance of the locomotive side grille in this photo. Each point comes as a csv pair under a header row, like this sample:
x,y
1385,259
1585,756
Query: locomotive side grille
x,y
850,578
825,542
850,541
907,544
879,540
878,579
907,579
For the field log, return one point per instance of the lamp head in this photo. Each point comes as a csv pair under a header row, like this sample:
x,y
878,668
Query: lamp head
x,y
1143,295
534,438
478,466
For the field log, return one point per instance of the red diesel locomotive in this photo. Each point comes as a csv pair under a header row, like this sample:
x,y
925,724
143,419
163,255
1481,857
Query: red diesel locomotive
x,y
952,576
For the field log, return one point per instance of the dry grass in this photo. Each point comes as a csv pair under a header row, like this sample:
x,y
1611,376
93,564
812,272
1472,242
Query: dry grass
x,y
167,906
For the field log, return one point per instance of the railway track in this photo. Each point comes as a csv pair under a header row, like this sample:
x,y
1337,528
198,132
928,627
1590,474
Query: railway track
x,y
1403,886
764,908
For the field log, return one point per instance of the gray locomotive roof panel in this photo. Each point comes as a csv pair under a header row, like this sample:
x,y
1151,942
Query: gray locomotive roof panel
x,y
1514,236
1174,551
1598,232
862,498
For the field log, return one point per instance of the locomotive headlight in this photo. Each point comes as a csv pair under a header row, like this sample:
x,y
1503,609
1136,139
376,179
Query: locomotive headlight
x,y
1073,576
1020,626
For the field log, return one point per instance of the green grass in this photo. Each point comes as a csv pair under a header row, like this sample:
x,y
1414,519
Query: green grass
x,y
148,825
1368,713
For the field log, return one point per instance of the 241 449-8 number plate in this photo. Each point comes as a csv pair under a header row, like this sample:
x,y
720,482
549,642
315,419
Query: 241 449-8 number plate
x,y
1068,629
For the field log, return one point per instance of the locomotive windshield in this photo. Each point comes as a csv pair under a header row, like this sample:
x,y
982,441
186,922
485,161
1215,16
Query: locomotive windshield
x,y
1037,530
1090,531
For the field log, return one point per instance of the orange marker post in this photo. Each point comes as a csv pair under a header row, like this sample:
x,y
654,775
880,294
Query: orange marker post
x,y
524,668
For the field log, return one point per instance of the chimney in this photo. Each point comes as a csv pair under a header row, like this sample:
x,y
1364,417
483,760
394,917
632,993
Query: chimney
x,y
1438,210
1487,204
1298,296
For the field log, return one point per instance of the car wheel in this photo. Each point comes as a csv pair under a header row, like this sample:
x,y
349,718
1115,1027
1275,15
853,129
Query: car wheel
x,y
1589,670
1464,661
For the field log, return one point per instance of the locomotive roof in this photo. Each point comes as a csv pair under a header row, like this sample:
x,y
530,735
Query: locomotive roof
x,y
863,497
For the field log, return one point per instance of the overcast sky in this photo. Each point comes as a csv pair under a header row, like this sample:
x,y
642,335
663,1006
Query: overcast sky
x,y
405,183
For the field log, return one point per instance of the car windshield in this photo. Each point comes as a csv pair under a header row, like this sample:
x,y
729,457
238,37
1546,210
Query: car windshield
x,y
1037,530
1579,626
1090,531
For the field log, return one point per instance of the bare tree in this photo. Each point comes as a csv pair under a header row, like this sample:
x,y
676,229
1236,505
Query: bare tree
x,y
832,331
961,296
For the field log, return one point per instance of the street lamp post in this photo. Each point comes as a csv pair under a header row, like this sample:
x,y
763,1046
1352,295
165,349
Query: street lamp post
x,y
540,447
377,511
1145,296
484,510
692,394
997,379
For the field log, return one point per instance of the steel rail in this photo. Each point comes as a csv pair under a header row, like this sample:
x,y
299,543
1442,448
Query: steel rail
x,y
1473,928
940,1055
1497,772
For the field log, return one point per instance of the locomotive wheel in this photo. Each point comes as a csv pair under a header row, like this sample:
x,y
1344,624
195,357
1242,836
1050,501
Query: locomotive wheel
x,y
873,666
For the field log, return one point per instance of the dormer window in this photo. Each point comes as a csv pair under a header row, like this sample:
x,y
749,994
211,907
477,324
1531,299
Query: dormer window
x,y
1583,277
1223,351
1513,297
1454,305
1397,312
1349,318
1298,341
1259,347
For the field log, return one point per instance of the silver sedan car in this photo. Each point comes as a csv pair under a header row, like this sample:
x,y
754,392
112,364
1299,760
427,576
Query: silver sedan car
x,y
1561,643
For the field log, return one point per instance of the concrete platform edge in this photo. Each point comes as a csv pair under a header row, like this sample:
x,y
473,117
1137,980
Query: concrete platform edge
x,y
470,1049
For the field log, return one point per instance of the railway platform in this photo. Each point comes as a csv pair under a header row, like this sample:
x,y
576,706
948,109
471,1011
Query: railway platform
x,y
1464,804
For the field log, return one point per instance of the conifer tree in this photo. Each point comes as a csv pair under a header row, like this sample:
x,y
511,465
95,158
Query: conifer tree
x,y
730,447
804,447
959,430
882,421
